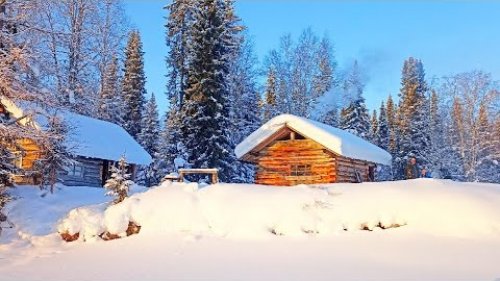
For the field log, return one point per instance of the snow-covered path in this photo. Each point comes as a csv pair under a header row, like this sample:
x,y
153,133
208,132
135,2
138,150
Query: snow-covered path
x,y
223,232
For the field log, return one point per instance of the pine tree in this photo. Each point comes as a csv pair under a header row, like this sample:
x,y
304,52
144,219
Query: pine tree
x,y
487,168
382,133
179,25
456,139
110,98
205,113
373,128
413,123
150,128
171,145
331,117
270,109
355,119
149,139
119,183
391,123
133,85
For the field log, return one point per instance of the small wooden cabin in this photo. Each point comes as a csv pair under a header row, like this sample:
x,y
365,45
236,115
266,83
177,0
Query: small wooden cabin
x,y
95,144
290,150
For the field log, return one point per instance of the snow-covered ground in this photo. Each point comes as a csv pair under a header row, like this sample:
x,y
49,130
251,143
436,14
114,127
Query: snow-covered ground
x,y
448,231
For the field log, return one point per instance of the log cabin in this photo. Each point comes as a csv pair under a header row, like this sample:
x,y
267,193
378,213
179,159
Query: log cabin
x,y
290,150
95,145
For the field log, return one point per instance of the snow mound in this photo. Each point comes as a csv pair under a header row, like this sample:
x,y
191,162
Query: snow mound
x,y
336,140
426,206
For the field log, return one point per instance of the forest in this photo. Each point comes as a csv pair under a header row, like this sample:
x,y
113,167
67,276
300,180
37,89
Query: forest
x,y
84,56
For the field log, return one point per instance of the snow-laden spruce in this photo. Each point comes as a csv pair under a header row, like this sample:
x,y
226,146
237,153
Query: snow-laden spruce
x,y
119,183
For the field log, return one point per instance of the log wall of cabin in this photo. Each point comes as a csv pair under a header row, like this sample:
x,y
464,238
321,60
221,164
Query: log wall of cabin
x,y
91,173
29,153
347,168
275,163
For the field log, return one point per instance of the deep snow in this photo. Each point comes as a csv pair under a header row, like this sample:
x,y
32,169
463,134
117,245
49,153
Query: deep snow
x,y
225,232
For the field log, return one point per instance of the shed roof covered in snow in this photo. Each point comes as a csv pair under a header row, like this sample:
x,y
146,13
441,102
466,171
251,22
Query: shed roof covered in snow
x,y
96,138
333,139
90,137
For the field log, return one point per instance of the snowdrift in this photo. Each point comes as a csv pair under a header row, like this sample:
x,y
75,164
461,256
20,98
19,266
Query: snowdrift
x,y
427,206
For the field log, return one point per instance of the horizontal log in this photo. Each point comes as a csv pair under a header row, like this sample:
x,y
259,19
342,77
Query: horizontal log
x,y
297,143
288,156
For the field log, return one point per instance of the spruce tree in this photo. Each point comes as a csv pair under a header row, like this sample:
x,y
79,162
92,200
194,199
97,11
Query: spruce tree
x,y
110,98
382,133
133,85
178,39
179,42
150,139
171,145
373,128
355,119
413,123
331,117
205,112
391,123
150,128
457,140
487,168
119,183
270,96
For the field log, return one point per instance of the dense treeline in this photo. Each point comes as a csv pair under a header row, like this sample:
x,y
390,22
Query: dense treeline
x,y
81,55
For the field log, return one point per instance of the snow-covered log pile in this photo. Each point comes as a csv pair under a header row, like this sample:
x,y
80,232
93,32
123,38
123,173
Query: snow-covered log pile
x,y
435,207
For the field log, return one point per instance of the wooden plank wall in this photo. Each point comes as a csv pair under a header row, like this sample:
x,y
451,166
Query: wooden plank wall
x,y
31,153
275,161
347,167
92,173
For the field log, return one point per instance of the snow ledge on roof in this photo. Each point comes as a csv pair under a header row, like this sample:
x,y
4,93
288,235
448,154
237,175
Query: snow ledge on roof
x,y
336,140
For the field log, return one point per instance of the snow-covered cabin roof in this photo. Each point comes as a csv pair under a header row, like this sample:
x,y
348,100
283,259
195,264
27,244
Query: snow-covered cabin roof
x,y
336,140
96,138
91,137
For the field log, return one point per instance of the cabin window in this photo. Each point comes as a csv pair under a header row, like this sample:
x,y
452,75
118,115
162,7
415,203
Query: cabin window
x,y
76,170
301,170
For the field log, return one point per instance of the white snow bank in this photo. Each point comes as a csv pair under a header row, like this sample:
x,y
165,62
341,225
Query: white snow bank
x,y
36,213
424,206
338,141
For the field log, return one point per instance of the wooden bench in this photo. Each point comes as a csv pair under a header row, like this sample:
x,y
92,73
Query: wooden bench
x,y
213,172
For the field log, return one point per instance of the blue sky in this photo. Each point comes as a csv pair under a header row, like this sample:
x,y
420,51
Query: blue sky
x,y
448,36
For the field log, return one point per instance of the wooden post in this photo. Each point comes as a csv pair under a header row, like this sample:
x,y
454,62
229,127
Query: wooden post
x,y
292,135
